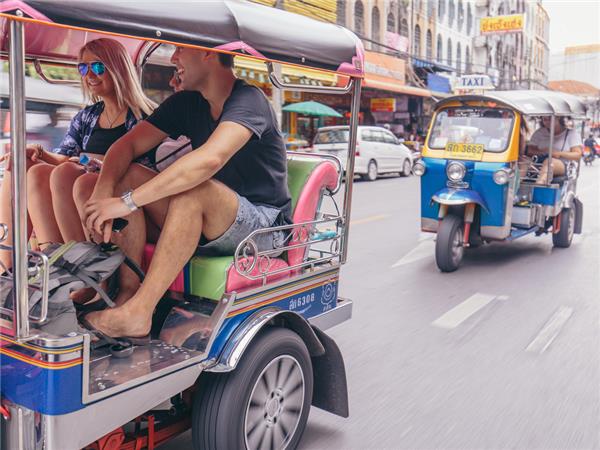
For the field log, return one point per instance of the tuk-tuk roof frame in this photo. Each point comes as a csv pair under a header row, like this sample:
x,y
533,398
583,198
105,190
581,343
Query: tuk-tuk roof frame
x,y
226,26
529,103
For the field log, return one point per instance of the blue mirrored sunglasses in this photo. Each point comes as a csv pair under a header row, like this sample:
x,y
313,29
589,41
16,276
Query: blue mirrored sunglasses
x,y
97,67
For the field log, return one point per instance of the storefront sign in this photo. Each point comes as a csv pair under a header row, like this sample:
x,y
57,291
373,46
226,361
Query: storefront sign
x,y
383,104
473,82
438,83
396,41
502,24
385,66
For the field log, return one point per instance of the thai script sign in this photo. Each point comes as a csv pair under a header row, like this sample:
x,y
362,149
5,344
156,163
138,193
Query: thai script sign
x,y
502,24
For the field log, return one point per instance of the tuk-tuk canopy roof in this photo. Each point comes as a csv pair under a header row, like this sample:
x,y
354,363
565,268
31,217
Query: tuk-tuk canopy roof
x,y
531,103
235,26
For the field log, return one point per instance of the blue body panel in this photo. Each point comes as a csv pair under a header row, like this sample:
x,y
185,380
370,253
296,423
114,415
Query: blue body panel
x,y
546,195
48,391
58,390
452,196
308,304
479,176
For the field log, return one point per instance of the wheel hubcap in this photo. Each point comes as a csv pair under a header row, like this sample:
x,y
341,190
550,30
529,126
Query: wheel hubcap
x,y
275,406
406,168
372,170
457,246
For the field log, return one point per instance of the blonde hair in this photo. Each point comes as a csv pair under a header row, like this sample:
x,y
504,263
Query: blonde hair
x,y
121,70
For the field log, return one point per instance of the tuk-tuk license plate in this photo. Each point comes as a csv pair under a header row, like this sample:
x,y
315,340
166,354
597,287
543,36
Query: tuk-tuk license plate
x,y
464,151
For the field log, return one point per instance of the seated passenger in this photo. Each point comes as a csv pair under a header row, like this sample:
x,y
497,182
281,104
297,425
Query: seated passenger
x,y
567,147
233,183
109,79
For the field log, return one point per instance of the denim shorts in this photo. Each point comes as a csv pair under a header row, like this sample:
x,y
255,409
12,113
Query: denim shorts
x,y
249,218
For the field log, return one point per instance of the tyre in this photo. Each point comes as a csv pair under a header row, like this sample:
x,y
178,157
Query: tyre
x,y
406,168
371,174
262,404
563,238
449,248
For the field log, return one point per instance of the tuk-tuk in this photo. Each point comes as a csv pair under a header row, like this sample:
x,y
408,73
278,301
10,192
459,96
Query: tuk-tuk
x,y
476,185
238,350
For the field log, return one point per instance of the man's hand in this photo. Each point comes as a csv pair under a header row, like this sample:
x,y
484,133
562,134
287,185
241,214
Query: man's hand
x,y
99,214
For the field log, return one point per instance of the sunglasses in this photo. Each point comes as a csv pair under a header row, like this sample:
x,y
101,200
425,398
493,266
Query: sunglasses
x,y
97,67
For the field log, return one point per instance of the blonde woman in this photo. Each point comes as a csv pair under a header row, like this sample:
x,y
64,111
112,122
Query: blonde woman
x,y
110,81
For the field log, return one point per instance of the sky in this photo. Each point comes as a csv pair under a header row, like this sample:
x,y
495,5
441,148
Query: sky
x,y
573,22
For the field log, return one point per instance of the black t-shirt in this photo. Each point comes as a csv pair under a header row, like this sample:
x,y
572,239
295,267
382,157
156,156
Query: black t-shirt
x,y
102,138
258,171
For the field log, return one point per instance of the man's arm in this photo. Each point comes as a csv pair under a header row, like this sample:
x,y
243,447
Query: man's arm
x,y
133,144
197,166
186,173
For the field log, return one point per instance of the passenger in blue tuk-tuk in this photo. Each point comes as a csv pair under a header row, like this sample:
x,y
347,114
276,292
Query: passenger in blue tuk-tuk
x,y
567,147
210,199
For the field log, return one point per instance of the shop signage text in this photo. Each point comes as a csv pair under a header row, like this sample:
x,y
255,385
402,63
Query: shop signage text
x,y
383,104
473,82
502,24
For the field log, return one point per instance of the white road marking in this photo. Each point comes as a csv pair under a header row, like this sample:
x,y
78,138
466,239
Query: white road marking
x,y
426,248
552,328
462,312
369,219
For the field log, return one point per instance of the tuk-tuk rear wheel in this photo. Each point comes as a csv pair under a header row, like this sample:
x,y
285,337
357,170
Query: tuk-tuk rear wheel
x,y
263,403
449,245
563,238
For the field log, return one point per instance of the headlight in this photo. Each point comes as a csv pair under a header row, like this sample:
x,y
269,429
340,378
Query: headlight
x,y
456,171
419,168
501,176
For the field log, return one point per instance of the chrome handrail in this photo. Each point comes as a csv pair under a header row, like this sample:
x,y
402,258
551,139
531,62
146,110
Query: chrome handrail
x,y
45,288
304,231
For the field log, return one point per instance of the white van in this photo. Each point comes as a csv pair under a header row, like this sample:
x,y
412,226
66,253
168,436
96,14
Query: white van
x,y
377,150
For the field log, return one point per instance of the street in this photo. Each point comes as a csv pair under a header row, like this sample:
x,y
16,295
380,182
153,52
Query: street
x,y
502,353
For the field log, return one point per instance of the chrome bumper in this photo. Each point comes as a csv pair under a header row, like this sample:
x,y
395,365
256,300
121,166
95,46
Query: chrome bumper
x,y
333,317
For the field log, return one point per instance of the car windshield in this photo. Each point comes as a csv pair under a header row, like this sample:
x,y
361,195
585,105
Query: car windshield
x,y
490,127
332,136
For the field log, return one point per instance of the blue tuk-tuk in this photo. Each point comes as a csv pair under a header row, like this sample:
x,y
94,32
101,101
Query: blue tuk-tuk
x,y
478,183
239,352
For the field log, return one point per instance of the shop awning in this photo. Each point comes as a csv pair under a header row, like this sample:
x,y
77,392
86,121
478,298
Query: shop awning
x,y
389,84
328,79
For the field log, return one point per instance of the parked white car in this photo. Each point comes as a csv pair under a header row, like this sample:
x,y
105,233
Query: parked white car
x,y
378,151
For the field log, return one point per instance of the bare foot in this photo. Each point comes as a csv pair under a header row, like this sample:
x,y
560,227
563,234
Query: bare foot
x,y
124,321
124,295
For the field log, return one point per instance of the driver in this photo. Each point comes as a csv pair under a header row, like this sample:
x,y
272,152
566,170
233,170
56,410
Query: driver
x,y
567,147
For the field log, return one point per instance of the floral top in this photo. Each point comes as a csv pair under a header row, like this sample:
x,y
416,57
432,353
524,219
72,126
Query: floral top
x,y
81,128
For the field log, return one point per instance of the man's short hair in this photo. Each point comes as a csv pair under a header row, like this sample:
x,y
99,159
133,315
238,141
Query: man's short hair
x,y
226,60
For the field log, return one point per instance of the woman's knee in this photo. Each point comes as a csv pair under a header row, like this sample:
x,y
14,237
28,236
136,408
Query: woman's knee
x,y
64,175
38,176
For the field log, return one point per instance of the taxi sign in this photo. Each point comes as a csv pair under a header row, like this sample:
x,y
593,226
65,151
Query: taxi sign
x,y
473,82
456,150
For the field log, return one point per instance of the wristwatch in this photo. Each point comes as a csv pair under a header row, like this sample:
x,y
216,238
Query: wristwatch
x,y
128,200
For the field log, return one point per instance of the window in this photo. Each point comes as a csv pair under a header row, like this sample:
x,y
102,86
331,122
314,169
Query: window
x,y
375,22
359,13
391,23
460,125
467,60
451,12
461,14
417,5
441,9
417,42
458,58
499,56
389,138
429,46
449,52
440,50
403,28
469,19
336,136
341,12
367,135
430,9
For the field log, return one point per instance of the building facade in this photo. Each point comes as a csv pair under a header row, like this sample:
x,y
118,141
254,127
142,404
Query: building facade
x,y
581,63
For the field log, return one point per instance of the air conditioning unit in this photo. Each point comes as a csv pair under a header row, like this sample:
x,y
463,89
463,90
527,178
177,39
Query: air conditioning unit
x,y
479,41
481,3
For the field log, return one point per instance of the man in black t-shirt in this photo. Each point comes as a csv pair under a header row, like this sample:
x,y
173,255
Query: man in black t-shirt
x,y
234,182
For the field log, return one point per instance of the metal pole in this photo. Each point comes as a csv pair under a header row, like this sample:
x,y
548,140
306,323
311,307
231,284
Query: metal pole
x,y
18,157
350,166
550,174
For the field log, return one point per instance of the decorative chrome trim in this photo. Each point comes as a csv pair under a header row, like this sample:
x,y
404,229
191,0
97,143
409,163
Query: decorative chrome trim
x,y
247,331
304,88
40,71
329,319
